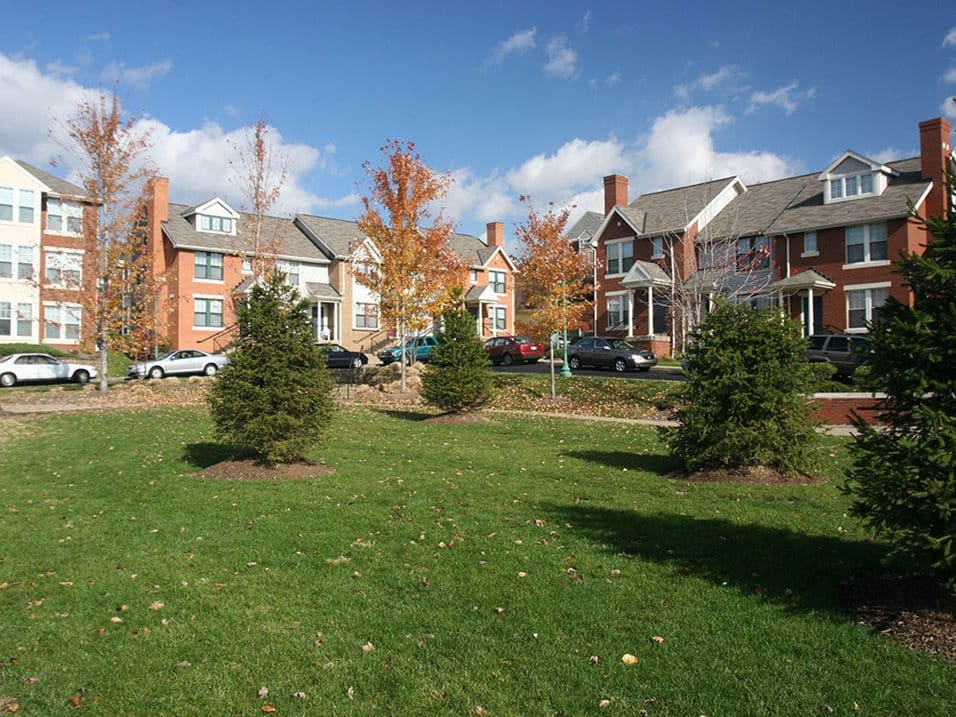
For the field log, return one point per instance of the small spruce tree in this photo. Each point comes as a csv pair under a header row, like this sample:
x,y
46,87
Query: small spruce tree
x,y
903,478
744,403
458,375
274,398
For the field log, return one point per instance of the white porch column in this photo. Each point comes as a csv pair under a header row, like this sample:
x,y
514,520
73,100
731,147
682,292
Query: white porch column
x,y
630,312
809,328
650,310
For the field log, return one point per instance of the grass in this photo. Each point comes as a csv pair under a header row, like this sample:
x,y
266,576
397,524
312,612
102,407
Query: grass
x,y
486,565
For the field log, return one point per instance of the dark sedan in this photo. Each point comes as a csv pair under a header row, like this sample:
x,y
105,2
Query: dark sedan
x,y
509,350
607,352
337,356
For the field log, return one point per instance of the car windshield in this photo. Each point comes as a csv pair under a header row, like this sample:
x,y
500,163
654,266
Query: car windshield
x,y
522,340
621,344
165,356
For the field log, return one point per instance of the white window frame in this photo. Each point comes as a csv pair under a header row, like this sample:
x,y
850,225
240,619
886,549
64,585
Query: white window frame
x,y
867,248
62,311
291,269
58,259
625,310
24,313
497,278
15,313
370,316
209,265
810,244
473,276
615,246
498,318
68,213
215,224
16,251
842,184
657,247
222,309
868,307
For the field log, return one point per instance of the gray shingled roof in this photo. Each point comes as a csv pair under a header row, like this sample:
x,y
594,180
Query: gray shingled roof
x,y
56,185
322,291
472,250
339,236
673,209
806,279
293,244
589,222
644,274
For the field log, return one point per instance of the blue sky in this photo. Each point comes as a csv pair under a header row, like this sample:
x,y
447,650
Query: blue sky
x,y
533,98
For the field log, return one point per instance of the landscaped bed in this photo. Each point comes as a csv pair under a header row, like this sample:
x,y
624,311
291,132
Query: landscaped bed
x,y
494,568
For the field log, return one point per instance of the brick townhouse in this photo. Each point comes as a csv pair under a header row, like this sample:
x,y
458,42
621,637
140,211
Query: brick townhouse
x,y
203,256
44,265
820,245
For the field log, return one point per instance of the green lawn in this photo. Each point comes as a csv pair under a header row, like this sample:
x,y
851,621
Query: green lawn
x,y
485,564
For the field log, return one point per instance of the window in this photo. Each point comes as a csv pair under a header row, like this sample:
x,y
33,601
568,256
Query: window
x,y
6,204
851,185
620,257
62,323
498,318
64,268
207,313
863,305
618,311
5,325
27,206
16,261
24,319
291,271
473,276
866,243
64,217
809,243
221,225
496,280
208,266
753,253
836,189
657,247
366,316
247,265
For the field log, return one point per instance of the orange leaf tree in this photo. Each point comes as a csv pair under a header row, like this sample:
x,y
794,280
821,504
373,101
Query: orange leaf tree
x,y
110,150
553,277
417,271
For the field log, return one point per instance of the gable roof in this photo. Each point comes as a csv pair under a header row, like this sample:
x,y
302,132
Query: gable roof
x,y
337,237
474,252
674,210
293,244
54,184
589,223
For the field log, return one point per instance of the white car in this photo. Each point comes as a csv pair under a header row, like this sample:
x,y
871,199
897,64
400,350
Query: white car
x,y
179,363
25,368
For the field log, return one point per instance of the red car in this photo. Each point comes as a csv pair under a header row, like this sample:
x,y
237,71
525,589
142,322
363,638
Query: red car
x,y
507,350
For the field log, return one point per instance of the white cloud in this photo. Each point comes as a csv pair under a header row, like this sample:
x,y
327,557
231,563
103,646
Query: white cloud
x,y
586,21
949,107
613,78
59,68
950,38
786,97
519,42
136,77
487,199
707,82
562,60
890,154
950,75
575,165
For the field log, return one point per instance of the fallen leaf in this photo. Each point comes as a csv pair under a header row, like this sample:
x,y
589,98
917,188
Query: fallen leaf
x,y
604,703
9,705
31,680
629,659
368,647
156,605
263,692
184,663
350,693
116,619
300,695
594,659
76,699
658,639
268,709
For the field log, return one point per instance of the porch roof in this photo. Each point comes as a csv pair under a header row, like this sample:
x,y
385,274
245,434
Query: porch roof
x,y
478,294
323,292
803,281
644,274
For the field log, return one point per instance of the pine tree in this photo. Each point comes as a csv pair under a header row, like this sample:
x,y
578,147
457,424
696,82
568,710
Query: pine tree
x,y
458,375
274,398
903,479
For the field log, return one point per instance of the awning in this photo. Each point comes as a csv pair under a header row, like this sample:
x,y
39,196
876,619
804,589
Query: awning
x,y
644,274
804,281
322,292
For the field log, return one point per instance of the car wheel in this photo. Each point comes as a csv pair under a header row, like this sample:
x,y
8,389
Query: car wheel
x,y
81,377
7,380
210,369
156,372
507,360
357,362
574,362
620,366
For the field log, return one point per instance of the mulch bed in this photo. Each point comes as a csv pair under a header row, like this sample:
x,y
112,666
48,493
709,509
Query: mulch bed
x,y
754,474
911,609
250,469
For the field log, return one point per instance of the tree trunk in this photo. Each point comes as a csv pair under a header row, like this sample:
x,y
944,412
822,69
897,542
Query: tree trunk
x,y
103,354
553,387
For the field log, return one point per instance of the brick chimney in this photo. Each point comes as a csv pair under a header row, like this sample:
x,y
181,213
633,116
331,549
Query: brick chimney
x,y
496,234
157,211
935,142
615,192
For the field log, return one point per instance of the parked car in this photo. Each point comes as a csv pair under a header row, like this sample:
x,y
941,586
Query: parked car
x,y
845,351
415,350
337,356
25,368
609,352
512,349
179,363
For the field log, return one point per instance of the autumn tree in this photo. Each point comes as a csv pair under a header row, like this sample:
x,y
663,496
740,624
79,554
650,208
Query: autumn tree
x,y
110,152
554,278
260,174
418,271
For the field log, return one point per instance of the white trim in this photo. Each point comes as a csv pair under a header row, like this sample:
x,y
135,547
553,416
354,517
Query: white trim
x,y
867,264
41,325
874,285
618,242
805,254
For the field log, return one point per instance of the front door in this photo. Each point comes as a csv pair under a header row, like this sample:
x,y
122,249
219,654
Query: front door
x,y
817,327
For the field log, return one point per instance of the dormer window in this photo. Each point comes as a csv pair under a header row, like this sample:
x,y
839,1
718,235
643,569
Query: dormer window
x,y
853,176
221,225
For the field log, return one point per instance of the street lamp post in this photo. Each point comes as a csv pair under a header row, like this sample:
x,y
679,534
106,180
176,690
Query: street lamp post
x,y
565,369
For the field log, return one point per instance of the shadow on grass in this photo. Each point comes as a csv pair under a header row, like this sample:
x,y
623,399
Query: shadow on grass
x,y
407,415
203,455
799,571
658,463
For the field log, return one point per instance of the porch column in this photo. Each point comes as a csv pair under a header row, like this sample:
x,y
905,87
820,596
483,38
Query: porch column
x,y
809,327
650,310
630,312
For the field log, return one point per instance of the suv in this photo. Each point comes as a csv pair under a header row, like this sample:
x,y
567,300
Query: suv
x,y
415,350
845,351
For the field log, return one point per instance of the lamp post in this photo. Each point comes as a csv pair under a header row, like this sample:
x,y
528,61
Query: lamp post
x,y
594,258
565,369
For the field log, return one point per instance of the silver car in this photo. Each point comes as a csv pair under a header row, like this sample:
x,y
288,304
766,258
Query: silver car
x,y
24,368
179,363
